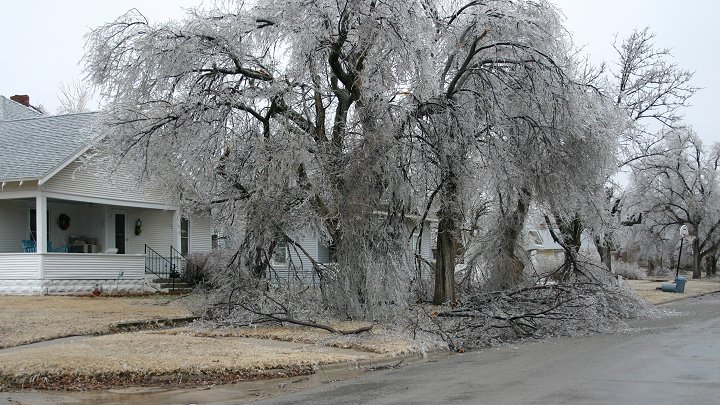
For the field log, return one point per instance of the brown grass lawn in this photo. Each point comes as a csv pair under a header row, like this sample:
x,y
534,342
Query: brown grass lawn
x,y
26,319
177,356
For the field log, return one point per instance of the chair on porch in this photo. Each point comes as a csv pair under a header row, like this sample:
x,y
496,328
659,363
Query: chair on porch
x,y
61,249
29,246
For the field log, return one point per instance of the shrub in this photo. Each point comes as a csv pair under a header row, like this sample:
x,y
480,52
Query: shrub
x,y
629,271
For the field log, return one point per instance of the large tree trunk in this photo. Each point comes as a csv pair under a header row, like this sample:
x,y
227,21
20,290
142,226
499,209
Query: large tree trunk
x,y
508,271
570,239
710,264
447,240
697,259
605,253
445,264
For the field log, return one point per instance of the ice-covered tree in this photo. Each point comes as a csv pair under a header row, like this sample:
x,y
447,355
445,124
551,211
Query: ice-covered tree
x,y
345,117
510,121
283,113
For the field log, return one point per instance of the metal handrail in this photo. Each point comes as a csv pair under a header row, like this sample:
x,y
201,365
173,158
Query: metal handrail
x,y
157,264
178,260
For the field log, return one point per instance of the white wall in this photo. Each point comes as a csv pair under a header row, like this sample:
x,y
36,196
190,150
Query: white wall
x,y
200,234
86,220
79,266
309,242
426,244
157,230
19,266
14,225
81,182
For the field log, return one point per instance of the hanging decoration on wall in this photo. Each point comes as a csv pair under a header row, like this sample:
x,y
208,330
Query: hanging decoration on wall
x,y
138,227
64,221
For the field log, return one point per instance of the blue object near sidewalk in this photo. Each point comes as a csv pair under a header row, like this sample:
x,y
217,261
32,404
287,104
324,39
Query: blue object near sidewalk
x,y
677,287
680,284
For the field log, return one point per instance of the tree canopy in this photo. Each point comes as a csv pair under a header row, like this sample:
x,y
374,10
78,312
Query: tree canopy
x,y
351,119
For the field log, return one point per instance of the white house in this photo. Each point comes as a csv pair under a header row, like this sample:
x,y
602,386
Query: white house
x,y
293,262
540,241
63,229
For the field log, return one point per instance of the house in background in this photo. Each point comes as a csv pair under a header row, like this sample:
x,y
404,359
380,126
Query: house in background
x,y
63,229
293,262
540,241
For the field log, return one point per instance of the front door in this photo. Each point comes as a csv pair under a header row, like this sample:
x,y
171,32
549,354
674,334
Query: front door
x,y
120,233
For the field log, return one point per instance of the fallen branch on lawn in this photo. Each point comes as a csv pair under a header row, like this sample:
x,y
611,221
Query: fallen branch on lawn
x,y
280,318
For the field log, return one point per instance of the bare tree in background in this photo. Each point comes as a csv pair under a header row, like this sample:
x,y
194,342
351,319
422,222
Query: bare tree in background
x,y
681,185
74,97
651,91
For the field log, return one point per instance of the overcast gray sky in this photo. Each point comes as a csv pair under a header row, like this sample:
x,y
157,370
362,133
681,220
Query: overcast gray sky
x,y
42,41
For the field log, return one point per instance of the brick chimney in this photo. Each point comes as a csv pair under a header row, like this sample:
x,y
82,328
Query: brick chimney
x,y
23,99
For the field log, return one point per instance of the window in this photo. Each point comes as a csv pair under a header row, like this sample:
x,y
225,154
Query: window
x,y
184,236
120,234
279,257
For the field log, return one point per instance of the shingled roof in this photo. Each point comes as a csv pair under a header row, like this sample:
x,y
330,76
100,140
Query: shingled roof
x,y
11,110
30,149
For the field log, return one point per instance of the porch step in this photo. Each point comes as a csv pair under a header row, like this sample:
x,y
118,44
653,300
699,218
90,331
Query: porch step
x,y
176,286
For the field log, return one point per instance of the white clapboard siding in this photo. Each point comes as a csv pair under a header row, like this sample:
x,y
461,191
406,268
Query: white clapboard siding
x,y
200,234
81,266
426,245
309,243
157,231
299,267
83,182
19,266
14,225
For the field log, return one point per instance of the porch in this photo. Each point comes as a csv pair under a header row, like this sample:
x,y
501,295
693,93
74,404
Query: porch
x,y
85,226
86,244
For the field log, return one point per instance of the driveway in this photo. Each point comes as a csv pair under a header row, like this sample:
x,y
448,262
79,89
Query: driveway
x,y
675,360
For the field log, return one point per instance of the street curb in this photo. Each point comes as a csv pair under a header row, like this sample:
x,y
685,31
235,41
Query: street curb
x,y
687,297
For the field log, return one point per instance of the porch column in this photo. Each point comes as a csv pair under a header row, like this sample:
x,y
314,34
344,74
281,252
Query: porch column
x,y
176,229
41,223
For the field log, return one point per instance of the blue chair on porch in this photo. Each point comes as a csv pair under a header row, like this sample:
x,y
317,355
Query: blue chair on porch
x,y
29,246
61,249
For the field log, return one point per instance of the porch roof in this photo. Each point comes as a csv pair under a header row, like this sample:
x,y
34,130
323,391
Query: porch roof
x,y
32,148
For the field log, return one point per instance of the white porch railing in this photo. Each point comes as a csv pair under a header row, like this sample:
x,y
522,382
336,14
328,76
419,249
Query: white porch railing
x,y
19,266
70,273
96,266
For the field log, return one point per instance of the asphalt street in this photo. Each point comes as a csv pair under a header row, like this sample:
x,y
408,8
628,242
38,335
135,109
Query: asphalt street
x,y
673,360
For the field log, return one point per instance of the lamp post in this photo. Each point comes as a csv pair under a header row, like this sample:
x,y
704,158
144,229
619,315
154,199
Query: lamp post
x,y
683,234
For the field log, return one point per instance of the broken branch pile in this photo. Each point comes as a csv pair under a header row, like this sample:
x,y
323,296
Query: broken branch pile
x,y
539,311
